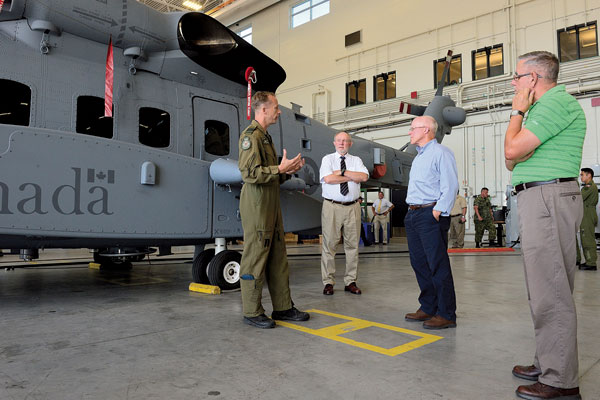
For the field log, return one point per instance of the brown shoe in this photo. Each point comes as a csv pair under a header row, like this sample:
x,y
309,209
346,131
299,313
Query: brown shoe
x,y
540,391
418,316
529,372
328,289
438,322
352,288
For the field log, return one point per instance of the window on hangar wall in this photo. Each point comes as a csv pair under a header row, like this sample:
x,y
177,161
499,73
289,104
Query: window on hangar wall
x,y
455,74
246,34
384,86
487,62
356,92
308,10
155,127
90,117
15,105
576,42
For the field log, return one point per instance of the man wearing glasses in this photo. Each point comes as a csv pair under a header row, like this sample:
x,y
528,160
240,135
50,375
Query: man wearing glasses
x,y
432,189
544,154
341,175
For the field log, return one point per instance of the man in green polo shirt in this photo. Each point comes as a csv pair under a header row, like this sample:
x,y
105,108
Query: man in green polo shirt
x,y
544,153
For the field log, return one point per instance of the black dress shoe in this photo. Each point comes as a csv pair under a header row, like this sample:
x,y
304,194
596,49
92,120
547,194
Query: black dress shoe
x,y
352,288
585,267
328,289
293,314
260,321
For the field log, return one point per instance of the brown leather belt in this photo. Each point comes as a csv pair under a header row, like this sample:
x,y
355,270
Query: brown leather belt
x,y
417,206
347,203
527,185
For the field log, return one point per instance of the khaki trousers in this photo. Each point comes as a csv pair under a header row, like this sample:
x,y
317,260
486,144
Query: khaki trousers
x,y
381,221
457,232
549,217
338,220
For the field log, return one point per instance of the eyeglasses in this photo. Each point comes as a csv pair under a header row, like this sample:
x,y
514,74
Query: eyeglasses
x,y
412,128
516,76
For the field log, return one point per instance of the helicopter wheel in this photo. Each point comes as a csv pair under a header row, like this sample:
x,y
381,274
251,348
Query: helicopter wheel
x,y
224,270
200,266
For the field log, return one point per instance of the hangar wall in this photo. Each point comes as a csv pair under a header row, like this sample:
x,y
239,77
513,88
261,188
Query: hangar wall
x,y
407,37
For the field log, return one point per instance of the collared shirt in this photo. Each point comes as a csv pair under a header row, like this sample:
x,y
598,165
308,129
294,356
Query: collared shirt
x,y
330,163
433,177
381,205
459,204
558,121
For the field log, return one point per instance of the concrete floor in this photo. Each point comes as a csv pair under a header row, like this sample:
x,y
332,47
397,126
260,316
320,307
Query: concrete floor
x,y
69,332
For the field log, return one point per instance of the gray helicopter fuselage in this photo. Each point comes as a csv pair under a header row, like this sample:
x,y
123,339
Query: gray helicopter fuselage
x,y
61,186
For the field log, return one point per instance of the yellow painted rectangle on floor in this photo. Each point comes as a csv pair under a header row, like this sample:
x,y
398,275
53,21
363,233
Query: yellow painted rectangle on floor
x,y
334,332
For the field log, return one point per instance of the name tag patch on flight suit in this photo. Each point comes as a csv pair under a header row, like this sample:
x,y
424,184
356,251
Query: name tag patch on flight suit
x,y
246,143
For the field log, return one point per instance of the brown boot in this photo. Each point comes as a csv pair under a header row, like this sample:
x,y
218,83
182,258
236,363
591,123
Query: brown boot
x,y
418,316
438,322
529,372
540,391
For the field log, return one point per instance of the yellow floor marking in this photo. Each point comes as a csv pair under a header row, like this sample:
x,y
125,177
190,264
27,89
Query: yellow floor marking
x,y
355,324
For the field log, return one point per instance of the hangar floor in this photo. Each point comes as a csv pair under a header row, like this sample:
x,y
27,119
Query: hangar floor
x,y
70,332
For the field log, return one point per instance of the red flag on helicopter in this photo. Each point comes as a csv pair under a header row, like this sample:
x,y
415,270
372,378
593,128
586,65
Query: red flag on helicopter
x,y
108,81
1,4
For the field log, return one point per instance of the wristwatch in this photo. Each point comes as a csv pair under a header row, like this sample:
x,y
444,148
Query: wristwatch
x,y
517,112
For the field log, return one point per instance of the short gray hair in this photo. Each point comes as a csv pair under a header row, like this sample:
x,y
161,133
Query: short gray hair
x,y
544,60
261,98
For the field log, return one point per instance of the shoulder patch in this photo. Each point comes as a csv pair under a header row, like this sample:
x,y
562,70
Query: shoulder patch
x,y
246,143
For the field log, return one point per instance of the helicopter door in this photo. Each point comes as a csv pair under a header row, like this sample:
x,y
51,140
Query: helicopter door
x,y
216,129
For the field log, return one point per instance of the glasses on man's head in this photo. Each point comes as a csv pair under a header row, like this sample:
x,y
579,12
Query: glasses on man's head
x,y
412,128
516,76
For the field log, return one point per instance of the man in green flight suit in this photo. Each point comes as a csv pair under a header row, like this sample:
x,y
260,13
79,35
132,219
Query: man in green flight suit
x,y
589,193
264,256
484,218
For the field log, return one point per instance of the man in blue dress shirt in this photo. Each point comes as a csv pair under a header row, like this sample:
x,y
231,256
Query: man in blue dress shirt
x,y
431,193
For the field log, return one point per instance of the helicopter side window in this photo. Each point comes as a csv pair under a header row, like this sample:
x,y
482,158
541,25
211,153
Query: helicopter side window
x,y
154,127
90,117
14,108
216,138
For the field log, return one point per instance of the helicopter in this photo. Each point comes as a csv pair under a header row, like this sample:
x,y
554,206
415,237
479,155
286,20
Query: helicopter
x,y
155,165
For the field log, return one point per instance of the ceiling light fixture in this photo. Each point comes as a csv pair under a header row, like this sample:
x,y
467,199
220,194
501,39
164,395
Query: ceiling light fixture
x,y
192,5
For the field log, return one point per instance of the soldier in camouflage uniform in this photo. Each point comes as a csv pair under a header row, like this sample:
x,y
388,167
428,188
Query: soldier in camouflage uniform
x,y
589,193
484,218
264,256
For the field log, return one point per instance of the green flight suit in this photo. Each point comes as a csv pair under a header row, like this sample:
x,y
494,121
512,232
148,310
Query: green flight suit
x,y
264,255
589,194
484,206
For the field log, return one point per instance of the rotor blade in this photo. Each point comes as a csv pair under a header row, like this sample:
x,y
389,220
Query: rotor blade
x,y
440,87
411,109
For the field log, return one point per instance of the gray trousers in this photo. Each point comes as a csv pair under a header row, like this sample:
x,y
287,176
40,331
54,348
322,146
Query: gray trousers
x,y
337,219
549,217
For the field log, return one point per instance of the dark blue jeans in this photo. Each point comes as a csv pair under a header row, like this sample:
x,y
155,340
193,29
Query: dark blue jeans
x,y
428,247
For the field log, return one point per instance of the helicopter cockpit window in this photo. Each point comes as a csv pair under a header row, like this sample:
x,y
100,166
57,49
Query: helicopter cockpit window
x,y
14,108
155,127
91,119
216,138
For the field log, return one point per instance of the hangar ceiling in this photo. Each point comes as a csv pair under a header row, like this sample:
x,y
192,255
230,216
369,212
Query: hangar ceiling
x,y
184,5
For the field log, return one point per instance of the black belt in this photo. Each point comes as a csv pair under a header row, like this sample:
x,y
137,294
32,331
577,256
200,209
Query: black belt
x,y
527,185
417,206
347,203
456,215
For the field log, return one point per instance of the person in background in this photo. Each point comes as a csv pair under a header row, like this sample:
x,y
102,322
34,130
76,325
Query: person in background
x,y
457,222
484,218
381,210
589,194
